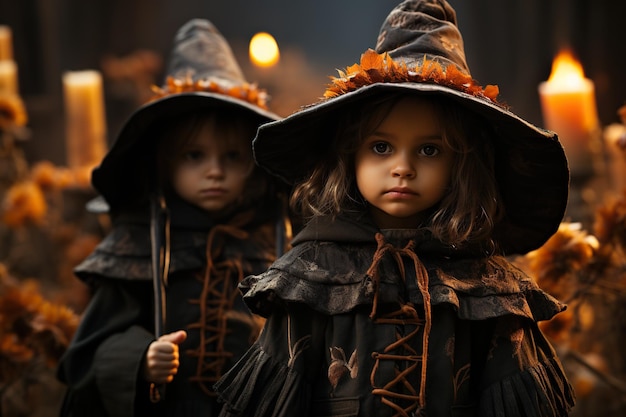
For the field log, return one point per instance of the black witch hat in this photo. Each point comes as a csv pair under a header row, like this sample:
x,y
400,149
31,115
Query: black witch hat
x,y
420,49
202,74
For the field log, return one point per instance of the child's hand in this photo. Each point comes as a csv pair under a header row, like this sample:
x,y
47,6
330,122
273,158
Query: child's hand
x,y
161,362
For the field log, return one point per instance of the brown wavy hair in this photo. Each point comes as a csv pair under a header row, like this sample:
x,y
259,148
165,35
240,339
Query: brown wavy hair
x,y
470,208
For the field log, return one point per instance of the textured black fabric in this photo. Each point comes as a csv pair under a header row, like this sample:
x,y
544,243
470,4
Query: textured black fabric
x,y
416,28
101,367
486,355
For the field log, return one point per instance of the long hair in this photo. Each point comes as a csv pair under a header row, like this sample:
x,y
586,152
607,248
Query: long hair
x,y
469,209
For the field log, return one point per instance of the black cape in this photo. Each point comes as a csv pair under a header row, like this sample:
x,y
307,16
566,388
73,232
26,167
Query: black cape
x,y
349,332
102,366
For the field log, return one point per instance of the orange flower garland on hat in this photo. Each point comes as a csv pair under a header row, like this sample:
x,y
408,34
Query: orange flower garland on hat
x,y
247,92
375,68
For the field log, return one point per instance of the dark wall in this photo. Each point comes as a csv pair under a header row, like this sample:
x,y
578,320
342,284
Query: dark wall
x,y
513,43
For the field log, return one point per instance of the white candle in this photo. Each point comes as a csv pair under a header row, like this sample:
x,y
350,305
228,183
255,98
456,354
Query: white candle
x,y
8,77
85,118
6,43
569,108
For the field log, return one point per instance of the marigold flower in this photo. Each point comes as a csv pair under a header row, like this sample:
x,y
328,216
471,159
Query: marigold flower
x,y
24,203
556,263
12,111
44,174
32,329
610,222
559,327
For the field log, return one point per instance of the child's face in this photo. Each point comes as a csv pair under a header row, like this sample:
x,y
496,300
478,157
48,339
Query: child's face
x,y
403,168
210,171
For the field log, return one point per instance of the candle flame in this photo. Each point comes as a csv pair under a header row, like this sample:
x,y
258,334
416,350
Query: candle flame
x,y
264,50
567,72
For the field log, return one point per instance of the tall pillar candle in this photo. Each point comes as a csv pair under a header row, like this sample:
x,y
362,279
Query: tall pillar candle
x,y
6,43
569,108
8,77
85,118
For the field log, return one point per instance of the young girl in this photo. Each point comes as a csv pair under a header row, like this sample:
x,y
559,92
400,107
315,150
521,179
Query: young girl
x,y
396,298
166,319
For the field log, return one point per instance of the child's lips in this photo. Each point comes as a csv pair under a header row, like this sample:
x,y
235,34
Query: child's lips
x,y
401,192
212,192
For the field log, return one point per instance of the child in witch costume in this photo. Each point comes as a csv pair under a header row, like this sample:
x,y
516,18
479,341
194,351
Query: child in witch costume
x,y
396,298
191,210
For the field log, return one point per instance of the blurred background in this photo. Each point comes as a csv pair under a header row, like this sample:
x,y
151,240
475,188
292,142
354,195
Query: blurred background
x,y
511,44
45,230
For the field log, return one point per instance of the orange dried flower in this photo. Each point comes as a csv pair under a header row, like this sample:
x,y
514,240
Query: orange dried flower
x,y
24,203
31,328
48,176
246,92
44,174
555,264
12,111
559,327
610,222
375,68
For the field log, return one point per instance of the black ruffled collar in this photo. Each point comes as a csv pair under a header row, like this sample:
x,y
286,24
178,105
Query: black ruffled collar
x,y
355,228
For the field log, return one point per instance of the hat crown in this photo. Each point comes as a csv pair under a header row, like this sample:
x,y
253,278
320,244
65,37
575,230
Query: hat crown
x,y
418,28
201,52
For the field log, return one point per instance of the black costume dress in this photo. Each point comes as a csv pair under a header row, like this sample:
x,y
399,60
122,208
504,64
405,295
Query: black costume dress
x,y
102,367
362,322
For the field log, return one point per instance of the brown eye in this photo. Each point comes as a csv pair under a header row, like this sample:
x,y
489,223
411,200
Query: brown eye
x,y
429,150
192,155
381,148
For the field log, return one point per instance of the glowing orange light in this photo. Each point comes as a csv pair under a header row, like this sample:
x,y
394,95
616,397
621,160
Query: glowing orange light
x,y
264,50
567,73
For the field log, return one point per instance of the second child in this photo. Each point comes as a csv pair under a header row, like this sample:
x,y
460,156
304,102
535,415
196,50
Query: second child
x,y
192,215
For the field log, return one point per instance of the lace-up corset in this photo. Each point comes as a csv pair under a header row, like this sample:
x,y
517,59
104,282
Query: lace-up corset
x,y
405,393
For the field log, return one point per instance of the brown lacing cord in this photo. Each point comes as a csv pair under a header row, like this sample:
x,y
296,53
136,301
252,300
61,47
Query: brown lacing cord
x,y
216,300
400,317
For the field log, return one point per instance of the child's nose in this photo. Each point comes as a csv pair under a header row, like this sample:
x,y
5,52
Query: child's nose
x,y
214,168
403,167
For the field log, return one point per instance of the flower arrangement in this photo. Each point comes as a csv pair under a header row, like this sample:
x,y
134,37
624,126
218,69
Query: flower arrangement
x,y
587,271
34,333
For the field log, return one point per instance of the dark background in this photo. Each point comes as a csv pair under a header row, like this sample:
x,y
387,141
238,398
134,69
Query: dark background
x,y
509,43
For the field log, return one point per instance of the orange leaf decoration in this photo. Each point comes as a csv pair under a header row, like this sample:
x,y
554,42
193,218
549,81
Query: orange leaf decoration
x,y
246,92
381,68
12,111
24,203
491,92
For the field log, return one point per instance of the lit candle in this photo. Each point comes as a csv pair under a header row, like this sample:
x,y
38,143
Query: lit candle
x,y
569,108
8,77
6,43
85,119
